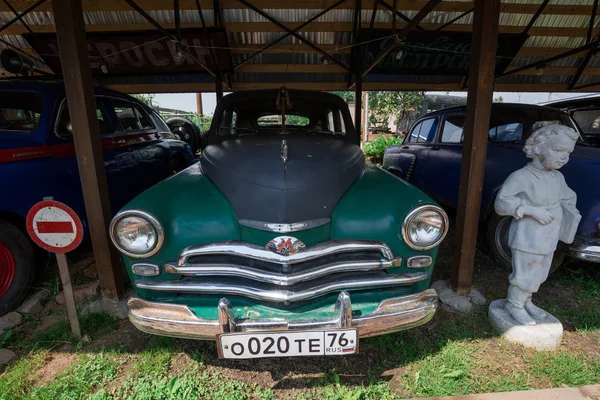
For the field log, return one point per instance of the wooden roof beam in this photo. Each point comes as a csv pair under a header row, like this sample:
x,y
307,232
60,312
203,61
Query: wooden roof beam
x,y
403,5
313,27
346,49
210,87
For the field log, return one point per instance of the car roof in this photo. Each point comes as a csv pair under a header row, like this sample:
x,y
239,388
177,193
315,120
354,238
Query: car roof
x,y
56,88
495,106
577,103
267,95
272,93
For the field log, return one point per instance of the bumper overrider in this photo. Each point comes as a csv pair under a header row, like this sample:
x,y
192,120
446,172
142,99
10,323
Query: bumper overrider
x,y
391,315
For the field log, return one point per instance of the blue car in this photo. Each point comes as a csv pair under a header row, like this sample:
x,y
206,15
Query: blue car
x,y
430,158
37,160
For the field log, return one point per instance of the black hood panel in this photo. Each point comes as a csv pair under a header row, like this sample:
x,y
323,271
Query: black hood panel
x,y
261,187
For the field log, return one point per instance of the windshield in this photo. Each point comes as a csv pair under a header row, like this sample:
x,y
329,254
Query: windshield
x,y
20,112
303,118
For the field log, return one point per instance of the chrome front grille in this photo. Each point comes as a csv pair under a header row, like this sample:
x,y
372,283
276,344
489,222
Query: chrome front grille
x,y
243,269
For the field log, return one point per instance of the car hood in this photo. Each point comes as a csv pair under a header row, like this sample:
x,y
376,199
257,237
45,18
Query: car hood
x,y
261,187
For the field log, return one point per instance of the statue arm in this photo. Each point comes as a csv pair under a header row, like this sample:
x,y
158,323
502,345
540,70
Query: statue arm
x,y
508,201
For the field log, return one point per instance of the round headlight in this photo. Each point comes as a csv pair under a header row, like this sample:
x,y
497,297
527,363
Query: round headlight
x,y
425,227
136,233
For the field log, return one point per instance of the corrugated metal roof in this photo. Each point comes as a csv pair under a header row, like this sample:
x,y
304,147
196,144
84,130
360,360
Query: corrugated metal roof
x,y
563,39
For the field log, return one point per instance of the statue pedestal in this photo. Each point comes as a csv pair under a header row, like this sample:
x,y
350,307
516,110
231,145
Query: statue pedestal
x,y
545,335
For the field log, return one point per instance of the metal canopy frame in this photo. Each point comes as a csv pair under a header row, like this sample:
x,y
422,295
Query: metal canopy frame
x,y
591,51
19,17
289,33
394,9
447,24
427,8
295,34
165,32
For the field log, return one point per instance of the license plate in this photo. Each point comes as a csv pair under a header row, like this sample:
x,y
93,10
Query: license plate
x,y
288,344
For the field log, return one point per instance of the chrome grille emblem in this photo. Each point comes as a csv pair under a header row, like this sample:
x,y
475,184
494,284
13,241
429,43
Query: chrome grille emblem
x,y
285,245
284,151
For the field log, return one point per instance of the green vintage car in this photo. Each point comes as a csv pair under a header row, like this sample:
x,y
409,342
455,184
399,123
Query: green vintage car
x,y
281,240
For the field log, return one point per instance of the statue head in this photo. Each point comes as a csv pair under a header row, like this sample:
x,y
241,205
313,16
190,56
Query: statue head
x,y
551,145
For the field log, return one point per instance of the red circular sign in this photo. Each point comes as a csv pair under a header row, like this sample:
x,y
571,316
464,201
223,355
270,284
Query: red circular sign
x,y
54,226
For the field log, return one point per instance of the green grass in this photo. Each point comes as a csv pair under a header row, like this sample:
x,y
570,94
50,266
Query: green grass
x,y
442,374
15,382
92,371
582,312
151,377
333,389
565,368
92,324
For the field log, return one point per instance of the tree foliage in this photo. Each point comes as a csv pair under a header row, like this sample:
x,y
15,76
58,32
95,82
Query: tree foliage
x,y
347,95
146,98
382,105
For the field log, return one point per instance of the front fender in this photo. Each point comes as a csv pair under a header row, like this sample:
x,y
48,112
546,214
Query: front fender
x,y
374,208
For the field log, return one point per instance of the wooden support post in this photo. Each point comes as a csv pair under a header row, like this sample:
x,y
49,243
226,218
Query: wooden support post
x,y
199,110
219,87
479,105
72,44
358,106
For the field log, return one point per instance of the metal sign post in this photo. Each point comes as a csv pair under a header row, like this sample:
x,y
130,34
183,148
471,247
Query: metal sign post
x,y
55,227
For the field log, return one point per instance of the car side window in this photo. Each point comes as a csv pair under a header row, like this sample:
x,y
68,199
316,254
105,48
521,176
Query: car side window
x,y
64,129
131,116
453,129
588,120
506,133
424,131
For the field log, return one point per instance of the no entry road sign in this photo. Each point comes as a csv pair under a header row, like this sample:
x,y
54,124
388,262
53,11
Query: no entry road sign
x,y
54,226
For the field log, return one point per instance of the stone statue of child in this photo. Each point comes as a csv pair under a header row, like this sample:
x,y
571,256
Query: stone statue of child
x,y
543,208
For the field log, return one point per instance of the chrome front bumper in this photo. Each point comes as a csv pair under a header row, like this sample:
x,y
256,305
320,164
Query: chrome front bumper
x,y
391,315
587,249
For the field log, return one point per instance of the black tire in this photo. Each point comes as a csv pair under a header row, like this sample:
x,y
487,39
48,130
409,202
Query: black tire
x,y
497,242
23,253
186,130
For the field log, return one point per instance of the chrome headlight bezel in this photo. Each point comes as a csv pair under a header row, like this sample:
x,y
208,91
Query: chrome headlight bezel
x,y
160,233
411,215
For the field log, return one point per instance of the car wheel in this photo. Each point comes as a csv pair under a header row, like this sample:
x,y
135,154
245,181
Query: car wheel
x,y
186,130
497,241
17,266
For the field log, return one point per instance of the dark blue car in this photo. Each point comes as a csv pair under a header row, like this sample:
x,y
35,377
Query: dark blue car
x,y
430,158
37,160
